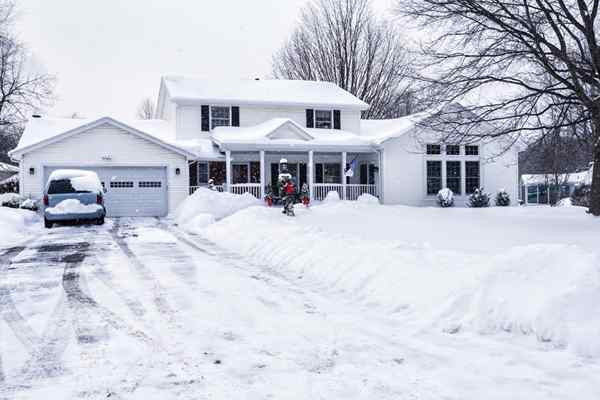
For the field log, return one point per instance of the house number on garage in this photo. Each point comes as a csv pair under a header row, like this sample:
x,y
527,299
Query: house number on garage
x,y
106,158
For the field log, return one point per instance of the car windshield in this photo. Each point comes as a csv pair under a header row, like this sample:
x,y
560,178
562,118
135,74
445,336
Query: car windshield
x,y
63,186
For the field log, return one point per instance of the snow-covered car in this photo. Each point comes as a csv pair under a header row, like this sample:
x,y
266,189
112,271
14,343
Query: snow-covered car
x,y
73,195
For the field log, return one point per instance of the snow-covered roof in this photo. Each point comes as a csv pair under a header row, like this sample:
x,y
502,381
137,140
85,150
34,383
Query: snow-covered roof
x,y
284,133
575,178
8,168
43,130
276,92
380,130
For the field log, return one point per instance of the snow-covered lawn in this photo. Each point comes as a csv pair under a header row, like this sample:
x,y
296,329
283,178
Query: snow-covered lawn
x,y
16,225
515,272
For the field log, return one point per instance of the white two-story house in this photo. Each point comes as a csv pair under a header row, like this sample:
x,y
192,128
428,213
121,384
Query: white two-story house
x,y
236,132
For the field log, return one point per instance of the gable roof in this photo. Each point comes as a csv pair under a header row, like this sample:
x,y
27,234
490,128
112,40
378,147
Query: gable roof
x,y
274,92
40,132
285,134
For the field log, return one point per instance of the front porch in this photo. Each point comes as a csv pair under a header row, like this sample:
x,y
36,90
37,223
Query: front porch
x,y
350,174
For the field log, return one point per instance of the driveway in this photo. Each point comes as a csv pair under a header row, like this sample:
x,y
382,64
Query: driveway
x,y
136,309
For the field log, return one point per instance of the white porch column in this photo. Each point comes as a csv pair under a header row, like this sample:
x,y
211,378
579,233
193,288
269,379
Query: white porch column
x,y
228,170
262,174
311,175
344,156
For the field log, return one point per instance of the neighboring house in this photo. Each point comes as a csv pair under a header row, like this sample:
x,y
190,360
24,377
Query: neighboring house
x,y
536,188
7,171
236,132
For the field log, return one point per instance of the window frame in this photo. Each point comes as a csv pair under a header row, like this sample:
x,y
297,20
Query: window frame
x,y
458,189
469,189
211,118
427,177
470,147
315,121
429,146
456,146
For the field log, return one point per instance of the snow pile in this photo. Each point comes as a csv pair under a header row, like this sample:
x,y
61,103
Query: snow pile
x,y
548,291
81,180
566,202
9,198
16,225
73,206
332,197
383,256
205,206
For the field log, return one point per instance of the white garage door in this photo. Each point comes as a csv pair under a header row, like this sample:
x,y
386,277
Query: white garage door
x,y
130,191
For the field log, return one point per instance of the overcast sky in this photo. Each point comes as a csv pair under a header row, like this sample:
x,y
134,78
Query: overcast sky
x,y
108,55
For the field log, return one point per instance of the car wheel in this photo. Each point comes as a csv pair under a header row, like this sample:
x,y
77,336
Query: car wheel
x,y
47,224
100,221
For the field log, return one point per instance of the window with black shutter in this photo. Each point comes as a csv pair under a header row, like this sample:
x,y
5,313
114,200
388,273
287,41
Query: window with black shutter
x,y
235,116
310,118
205,118
337,119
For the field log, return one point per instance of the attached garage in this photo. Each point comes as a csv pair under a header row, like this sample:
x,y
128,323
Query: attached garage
x,y
130,191
143,171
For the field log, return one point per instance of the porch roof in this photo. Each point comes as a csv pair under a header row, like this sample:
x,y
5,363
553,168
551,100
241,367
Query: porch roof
x,y
283,134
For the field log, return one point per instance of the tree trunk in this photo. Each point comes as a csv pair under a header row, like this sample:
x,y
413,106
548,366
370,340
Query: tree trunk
x,y
595,195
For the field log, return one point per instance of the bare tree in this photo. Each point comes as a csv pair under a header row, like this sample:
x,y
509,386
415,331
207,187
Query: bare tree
x,y
22,90
341,41
530,63
146,109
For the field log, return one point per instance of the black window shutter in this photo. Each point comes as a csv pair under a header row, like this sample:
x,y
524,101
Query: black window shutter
x,y
205,119
235,116
310,118
337,119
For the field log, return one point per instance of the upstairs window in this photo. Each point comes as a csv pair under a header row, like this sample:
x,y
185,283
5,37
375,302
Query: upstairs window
x,y
471,150
452,149
323,119
434,149
220,116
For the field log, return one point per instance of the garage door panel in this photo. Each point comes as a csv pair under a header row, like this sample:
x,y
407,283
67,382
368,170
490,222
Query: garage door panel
x,y
130,191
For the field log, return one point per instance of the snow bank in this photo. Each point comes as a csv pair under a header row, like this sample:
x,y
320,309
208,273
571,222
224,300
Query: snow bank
x,y
332,197
16,225
547,291
205,206
73,206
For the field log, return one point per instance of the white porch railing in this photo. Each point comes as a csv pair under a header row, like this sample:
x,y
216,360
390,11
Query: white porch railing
x,y
241,188
218,188
320,190
353,191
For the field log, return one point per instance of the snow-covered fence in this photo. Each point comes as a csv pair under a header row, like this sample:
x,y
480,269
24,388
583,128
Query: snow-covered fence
x,y
241,188
353,191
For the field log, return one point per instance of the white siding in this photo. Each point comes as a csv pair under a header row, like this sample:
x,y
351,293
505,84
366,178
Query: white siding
x,y
404,171
189,118
88,148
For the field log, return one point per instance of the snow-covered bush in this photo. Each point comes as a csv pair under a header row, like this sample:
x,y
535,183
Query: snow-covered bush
x,y
332,197
29,204
502,198
11,200
366,198
479,199
581,195
445,198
